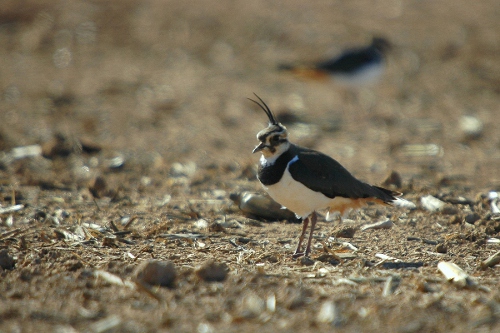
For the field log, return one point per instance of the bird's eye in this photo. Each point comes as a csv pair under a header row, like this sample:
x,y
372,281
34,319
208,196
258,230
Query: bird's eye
x,y
275,139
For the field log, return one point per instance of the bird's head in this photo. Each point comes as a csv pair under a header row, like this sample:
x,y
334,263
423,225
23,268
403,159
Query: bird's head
x,y
381,44
274,138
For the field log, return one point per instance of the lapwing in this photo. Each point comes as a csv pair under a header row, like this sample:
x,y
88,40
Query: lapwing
x,y
353,68
304,180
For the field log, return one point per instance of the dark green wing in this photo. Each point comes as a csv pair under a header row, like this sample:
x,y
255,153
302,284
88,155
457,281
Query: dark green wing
x,y
322,173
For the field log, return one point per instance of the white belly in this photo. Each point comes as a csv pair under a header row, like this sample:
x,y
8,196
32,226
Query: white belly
x,y
296,197
364,77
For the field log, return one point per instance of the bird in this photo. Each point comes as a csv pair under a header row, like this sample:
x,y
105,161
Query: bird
x,y
305,180
353,68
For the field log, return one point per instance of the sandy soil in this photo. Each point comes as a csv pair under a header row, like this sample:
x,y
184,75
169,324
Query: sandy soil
x,y
135,129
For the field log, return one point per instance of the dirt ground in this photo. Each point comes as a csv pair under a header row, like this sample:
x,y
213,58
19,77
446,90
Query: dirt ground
x,y
125,127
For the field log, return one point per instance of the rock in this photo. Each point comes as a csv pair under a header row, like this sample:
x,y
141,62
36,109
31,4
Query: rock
x,y
455,274
252,306
491,261
6,260
183,170
346,232
157,273
89,147
26,151
449,210
213,272
455,219
431,203
471,126
326,313
98,187
472,218
394,179
387,224
441,248
306,261
58,146
262,206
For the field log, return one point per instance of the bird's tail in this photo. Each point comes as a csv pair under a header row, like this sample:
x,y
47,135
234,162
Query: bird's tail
x,y
304,72
395,200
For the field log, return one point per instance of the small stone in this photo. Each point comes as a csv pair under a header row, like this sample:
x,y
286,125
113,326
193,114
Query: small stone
x,y
472,218
329,258
89,147
455,219
262,206
183,170
157,273
455,274
387,224
394,179
471,126
441,248
347,232
491,261
431,203
449,210
58,146
326,313
6,260
306,261
213,272
216,227
252,306
201,224
98,187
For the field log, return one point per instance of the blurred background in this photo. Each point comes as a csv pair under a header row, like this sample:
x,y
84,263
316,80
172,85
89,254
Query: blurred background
x,y
148,84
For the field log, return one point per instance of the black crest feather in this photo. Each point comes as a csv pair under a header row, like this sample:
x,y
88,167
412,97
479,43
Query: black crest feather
x,y
267,110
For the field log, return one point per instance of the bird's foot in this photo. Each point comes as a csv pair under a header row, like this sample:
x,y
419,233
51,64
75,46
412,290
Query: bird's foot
x,y
297,255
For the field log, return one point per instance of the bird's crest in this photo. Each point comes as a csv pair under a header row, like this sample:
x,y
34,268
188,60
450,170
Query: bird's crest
x,y
267,110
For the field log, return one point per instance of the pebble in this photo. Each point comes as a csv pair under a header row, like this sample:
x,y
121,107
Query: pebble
x,y
472,218
326,313
471,126
6,260
431,203
98,187
213,272
393,179
201,224
491,261
183,170
306,261
252,306
387,224
260,205
347,232
455,219
455,274
493,197
157,273
441,248
26,151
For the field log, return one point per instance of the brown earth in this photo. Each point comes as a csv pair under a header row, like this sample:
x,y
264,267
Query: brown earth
x,y
141,113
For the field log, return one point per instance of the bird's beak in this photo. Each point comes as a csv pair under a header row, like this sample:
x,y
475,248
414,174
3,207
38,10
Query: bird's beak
x,y
261,146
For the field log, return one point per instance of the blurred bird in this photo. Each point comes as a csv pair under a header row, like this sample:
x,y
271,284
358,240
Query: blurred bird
x,y
353,68
304,180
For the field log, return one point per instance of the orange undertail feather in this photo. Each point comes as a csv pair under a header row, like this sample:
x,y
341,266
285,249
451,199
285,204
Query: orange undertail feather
x,y
308,73
354,204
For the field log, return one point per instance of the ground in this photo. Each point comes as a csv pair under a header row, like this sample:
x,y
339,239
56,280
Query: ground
x,y
134,128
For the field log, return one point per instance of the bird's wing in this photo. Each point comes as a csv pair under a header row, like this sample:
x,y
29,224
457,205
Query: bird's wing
x,y
350,61
322,173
